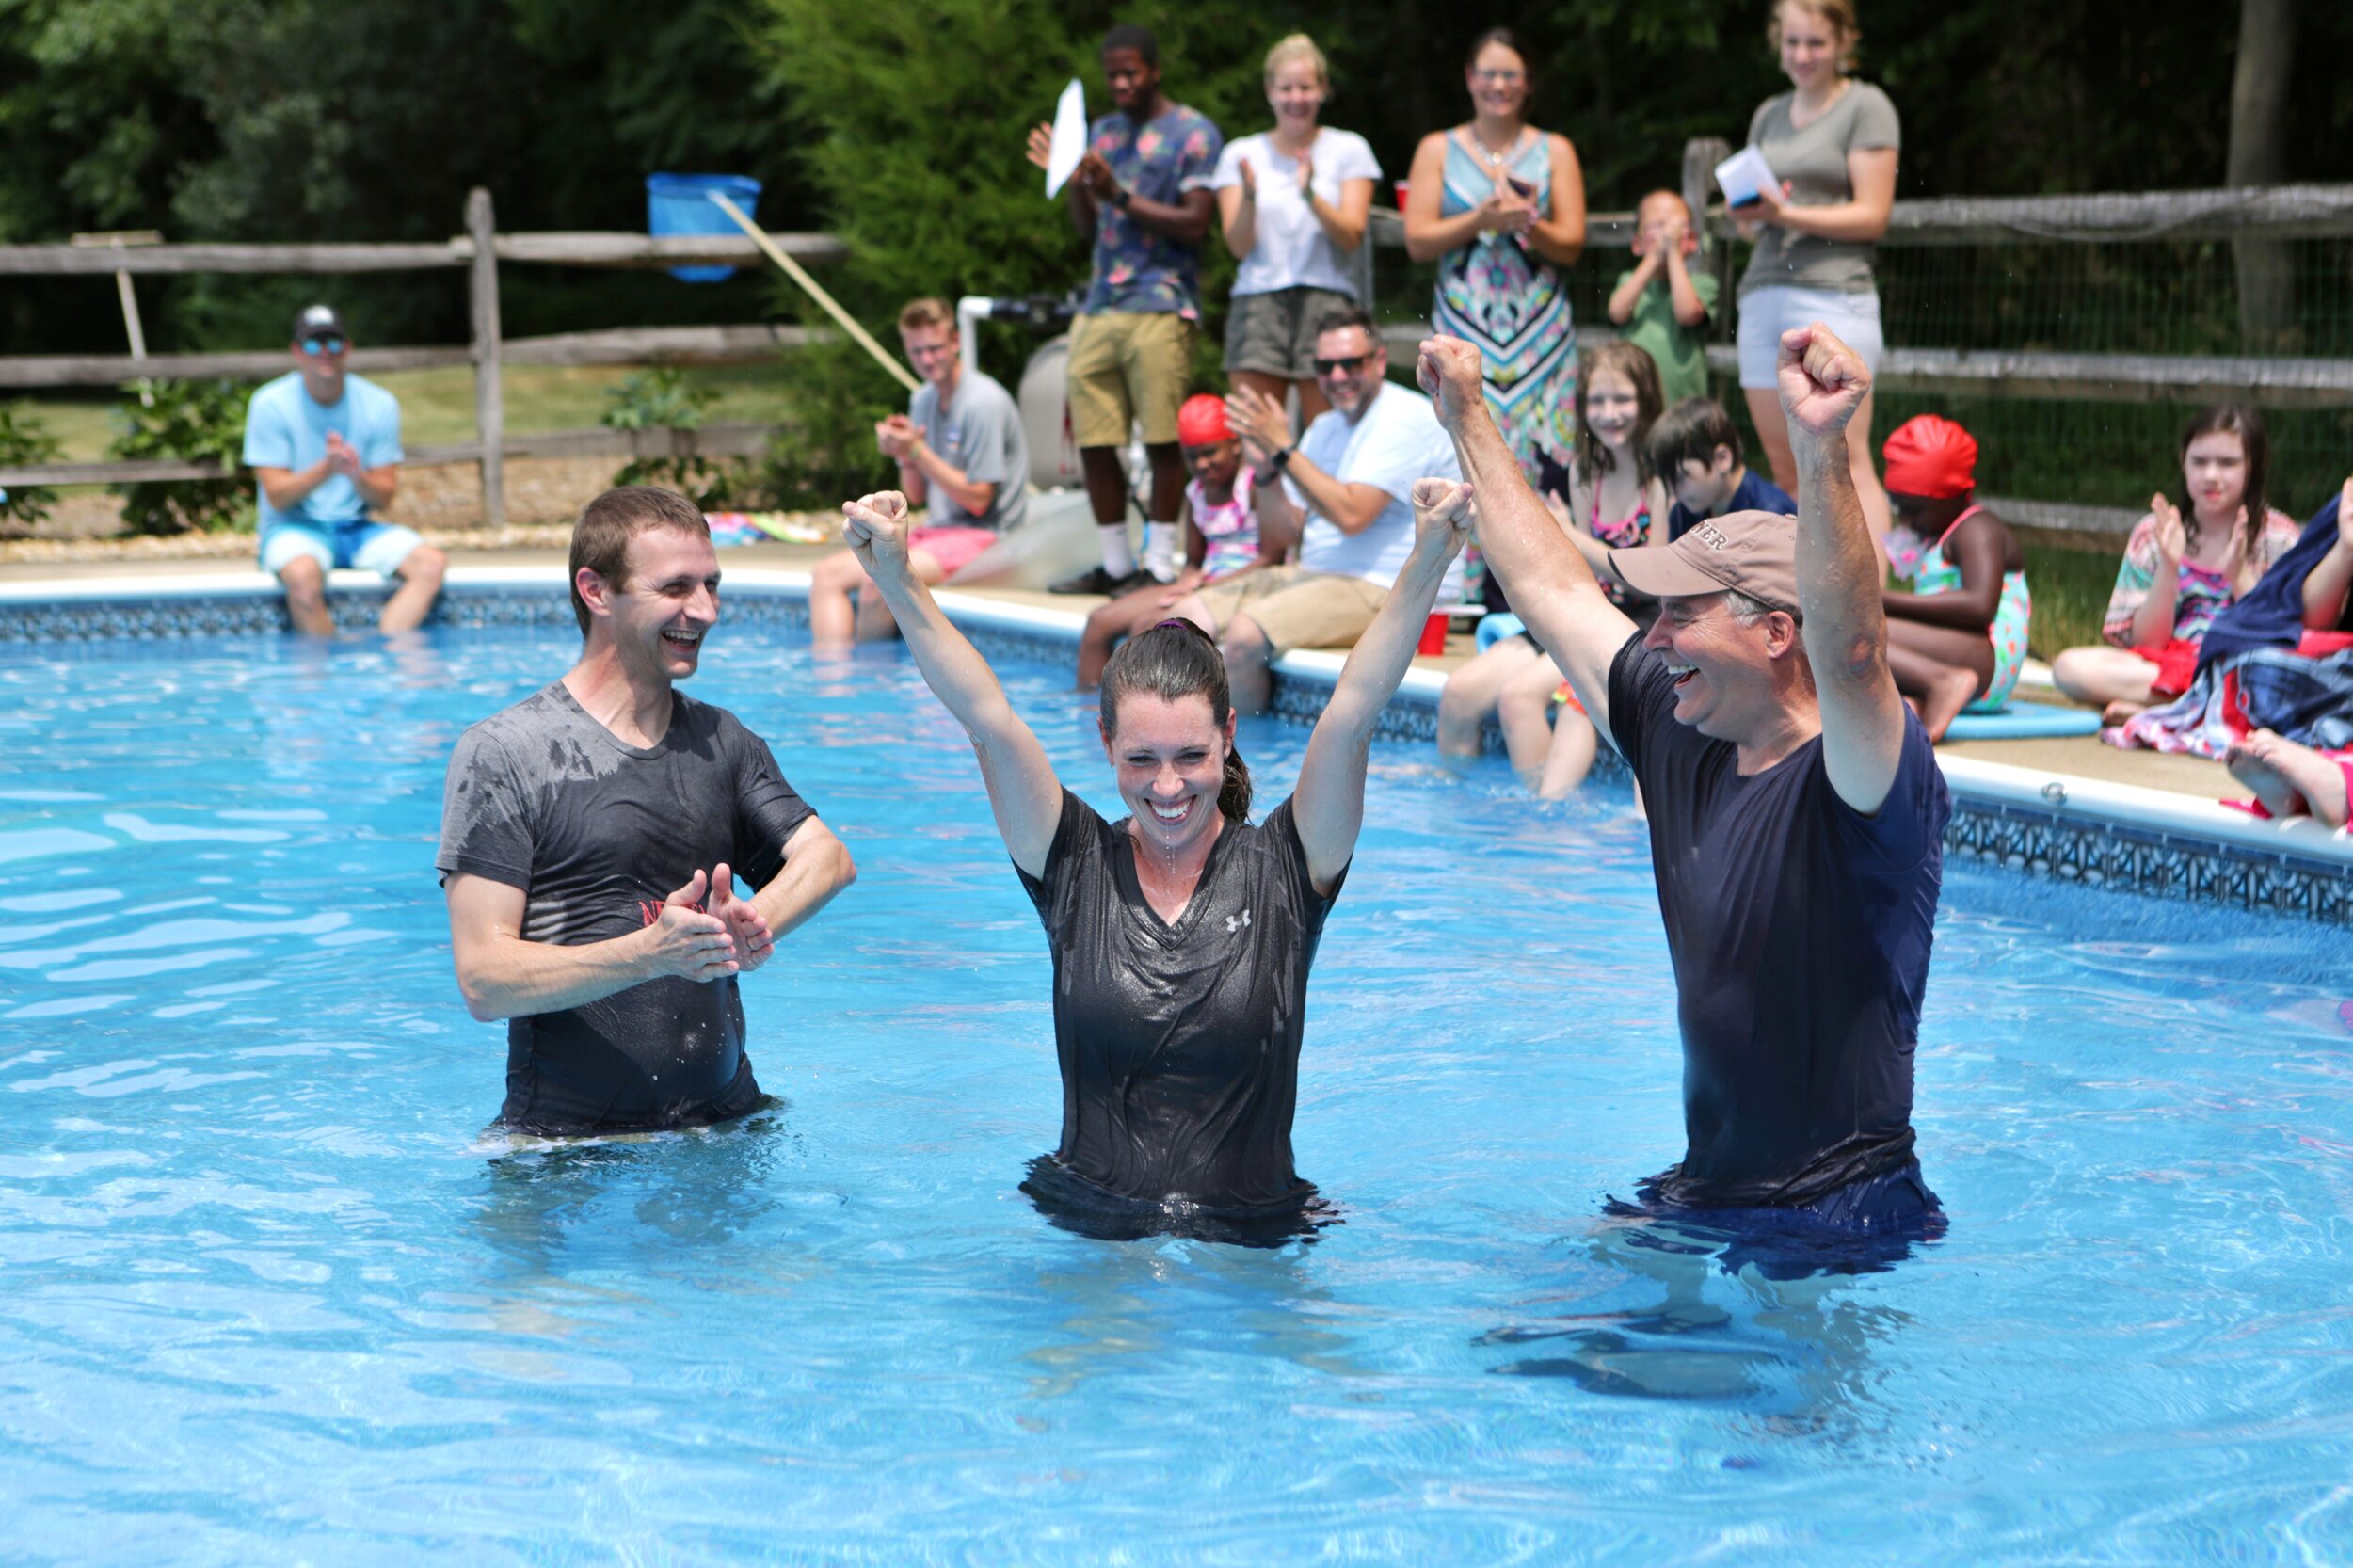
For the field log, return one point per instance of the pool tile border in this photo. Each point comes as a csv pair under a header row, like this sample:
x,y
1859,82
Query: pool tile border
x,y
2064,828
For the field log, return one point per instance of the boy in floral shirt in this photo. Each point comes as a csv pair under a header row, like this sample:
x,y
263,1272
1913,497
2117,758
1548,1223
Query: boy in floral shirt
x,y
1142,194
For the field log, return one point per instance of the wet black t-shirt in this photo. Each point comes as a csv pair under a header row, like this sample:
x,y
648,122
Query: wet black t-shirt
x,y
597,834
1799,932
1179,1043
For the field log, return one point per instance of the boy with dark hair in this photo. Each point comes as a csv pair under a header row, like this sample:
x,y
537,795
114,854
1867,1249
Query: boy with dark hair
x,y
1696,449
1141,195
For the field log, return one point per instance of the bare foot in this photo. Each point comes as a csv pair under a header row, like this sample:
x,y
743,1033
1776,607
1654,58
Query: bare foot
x,y
2271,787
2117,712
1946,696
2290,779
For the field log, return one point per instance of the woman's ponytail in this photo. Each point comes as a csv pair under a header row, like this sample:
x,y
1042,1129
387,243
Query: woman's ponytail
x,y
1234,799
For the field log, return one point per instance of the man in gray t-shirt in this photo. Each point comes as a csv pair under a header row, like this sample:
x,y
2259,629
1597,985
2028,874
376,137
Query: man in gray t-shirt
x,y
591,838
959,448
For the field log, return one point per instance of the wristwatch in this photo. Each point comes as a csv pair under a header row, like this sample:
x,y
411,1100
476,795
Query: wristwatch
x,y
1280,460
1121,196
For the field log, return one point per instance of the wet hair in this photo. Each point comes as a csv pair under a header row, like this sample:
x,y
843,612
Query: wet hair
x,y
1633,362
1690,433
2233,419
1128,36
1297,46
600,537
916,314
1838,13
1172,661
1510,40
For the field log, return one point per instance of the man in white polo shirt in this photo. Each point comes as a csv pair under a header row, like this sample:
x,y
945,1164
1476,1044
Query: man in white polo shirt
x,y
1346,496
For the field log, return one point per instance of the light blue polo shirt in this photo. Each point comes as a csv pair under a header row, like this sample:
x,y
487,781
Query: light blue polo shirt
x,y
285,427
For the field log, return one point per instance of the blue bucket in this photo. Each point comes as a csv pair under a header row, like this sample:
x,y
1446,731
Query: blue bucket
x,y
681,205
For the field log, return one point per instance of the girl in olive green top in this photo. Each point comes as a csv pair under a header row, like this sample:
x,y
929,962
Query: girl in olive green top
x,y
1832,143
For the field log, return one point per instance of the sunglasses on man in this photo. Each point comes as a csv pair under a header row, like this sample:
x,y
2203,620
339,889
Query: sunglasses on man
x,y
327,345
1348,366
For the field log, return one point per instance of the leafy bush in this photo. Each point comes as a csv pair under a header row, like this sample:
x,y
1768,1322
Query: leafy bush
x,y
23,443
662,398
824,450
189,421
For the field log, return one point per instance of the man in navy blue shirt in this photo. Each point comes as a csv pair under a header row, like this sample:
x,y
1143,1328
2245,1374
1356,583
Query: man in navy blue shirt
x,y
1796,810
1696,449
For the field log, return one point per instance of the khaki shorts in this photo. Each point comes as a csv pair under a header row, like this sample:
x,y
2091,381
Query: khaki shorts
x,y
1297,608
1127,367
1274,334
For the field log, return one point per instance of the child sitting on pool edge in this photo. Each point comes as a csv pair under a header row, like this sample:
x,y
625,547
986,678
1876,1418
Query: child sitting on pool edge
x,y
1223,539
1957,640
1607,498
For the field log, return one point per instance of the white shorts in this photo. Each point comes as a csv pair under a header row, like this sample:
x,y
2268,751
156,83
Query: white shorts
x,y
377,547
1765,313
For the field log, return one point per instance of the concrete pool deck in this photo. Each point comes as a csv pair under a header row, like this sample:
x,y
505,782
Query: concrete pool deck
x,y
2072,807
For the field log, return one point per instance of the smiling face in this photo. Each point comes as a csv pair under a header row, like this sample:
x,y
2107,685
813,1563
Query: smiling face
x,y
1170,758
1726,685
1498,79
1611,409
1214,463
1133,83
1294,91
1811,47
1350,364
2215,468
934,351
665,602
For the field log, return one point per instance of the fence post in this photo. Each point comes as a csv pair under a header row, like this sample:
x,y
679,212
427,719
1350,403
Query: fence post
x,y
490,413
1701,155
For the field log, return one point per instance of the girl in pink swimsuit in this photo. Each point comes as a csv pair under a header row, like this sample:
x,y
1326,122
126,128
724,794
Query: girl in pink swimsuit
x,y
1611,500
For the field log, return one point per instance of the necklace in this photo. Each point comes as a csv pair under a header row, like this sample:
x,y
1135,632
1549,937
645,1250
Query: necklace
x,y
1497,161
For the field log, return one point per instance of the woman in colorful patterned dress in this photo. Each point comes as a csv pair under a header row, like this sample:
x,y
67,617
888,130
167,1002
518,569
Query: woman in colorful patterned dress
x,y
1500,205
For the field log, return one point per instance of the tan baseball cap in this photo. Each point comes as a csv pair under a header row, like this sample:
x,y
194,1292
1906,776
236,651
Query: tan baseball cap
x,y
1754,552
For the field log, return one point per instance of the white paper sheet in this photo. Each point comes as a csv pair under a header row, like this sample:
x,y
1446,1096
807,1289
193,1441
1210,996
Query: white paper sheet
x,y
1070,137
1744,176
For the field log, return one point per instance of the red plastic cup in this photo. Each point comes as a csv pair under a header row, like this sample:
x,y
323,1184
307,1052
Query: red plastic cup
x,y
1432,633
1402,186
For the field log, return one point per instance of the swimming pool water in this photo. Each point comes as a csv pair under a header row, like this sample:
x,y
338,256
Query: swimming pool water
x,y
269,1297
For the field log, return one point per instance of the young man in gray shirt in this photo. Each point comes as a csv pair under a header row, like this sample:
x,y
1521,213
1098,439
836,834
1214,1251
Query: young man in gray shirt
x,y
959,448
591,838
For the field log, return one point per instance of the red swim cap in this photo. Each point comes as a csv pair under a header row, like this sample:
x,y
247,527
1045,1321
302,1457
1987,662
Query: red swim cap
x,y
1930,456
1201,422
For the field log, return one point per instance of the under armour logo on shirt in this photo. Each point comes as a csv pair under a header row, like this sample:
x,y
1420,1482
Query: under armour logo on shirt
x,y
1234,922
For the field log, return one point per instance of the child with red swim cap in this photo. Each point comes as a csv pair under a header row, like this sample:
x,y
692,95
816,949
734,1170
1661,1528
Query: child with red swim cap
x,y
1221,540
1956,639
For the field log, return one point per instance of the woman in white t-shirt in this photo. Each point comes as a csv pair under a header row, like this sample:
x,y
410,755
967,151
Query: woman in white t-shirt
x,y
1294,203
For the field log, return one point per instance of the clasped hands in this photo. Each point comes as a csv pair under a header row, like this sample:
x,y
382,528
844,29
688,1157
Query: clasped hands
x,y
703,932
898,438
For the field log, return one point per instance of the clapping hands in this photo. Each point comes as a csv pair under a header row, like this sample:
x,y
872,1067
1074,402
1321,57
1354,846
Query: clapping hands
x,y
696,940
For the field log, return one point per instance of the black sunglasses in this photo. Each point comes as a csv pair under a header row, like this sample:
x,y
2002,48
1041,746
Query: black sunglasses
x,y
1349,365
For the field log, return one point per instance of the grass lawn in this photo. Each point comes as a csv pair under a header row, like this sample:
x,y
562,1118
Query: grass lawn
x,y
436,405
2070,594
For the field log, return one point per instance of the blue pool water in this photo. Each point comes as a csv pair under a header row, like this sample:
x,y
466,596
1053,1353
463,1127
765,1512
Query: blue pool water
x,y
269,1297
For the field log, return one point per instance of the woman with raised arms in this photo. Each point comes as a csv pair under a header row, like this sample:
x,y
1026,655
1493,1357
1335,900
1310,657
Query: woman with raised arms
x,y
1181,934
